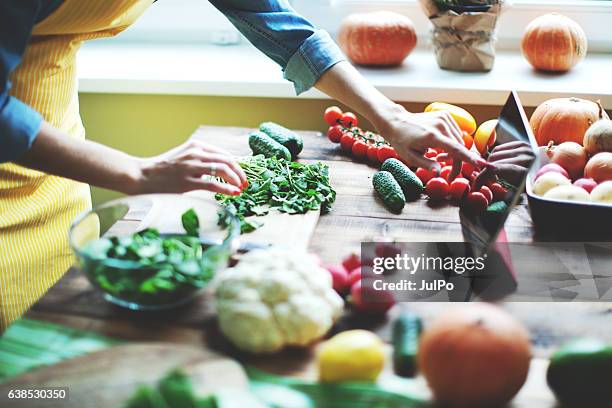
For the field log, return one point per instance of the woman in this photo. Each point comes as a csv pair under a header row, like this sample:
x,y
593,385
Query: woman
x,y
45,161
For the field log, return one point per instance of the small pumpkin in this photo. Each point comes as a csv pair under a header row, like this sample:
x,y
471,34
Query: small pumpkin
x,y
563,120
381,38
554,42
474,355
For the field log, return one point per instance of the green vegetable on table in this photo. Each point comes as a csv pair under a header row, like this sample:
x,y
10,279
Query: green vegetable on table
x,y
389,191
406,331
261,143
289,187
291,140
411,185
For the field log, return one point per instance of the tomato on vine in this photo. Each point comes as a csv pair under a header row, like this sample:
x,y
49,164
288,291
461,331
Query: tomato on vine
x,y
346,142
349,120
372,153
333,115
360,149
334,133
386,152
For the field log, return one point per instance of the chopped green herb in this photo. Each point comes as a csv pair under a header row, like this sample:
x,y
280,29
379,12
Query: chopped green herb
x,y
190,222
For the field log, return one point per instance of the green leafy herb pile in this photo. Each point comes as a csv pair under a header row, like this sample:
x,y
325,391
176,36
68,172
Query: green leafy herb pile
x,y
160,268
289,187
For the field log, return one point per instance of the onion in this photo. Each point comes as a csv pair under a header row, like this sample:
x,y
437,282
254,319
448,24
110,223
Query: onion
x,y
571,193
571,156
602,193
549,180
598,138
588,184
599,168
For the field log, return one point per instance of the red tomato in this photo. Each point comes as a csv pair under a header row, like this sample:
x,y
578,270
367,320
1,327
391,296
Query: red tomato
x,y
445,172
486,191
354,276
366,299
349,120
372,153
467,169
425,175
475,203
351,261
360,149
437,188
430,153
459,188
468,140
334,133
339,278
346,142
499,191
332,115
386,152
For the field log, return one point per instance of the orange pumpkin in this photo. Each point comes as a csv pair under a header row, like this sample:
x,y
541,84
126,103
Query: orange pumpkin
x,y
381,38
474,355
563,120
553,42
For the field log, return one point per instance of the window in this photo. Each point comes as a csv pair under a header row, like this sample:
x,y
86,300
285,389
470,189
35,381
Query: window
x,y
197,21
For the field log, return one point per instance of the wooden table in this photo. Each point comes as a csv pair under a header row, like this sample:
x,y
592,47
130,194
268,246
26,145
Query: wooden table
x,y
357,216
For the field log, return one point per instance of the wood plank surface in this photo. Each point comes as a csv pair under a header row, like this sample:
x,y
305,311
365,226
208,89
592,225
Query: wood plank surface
x,y
357,216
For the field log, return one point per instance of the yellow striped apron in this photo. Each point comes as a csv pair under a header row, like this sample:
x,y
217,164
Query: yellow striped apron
x,y
36,209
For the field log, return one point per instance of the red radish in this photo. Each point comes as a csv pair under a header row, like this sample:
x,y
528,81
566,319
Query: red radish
x,y
359,149
475,203
351,261
571,156
499,191
386,152
365,298
349,120
430,153
445,172
332,115
346,142
437,188
372,153
339,278
486,191
458,189
425,175
586,183
554,167
334,133
354,276
467,169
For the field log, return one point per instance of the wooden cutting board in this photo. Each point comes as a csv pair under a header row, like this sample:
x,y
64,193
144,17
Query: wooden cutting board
x,y
109,377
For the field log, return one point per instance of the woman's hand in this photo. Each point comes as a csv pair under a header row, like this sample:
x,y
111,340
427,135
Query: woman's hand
x,y
509,161
411,134
182,169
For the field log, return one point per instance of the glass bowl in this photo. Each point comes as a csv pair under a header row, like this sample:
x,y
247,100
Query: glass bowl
x,y
161,267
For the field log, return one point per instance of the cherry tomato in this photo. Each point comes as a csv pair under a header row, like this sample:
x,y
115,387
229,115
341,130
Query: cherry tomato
x,y
346,142
333,115
425,175
467,169
459,188
468,140
499,191
445,172
349,120
334,133
486,191
354,276
430,153
437,188
365,298
444,159
360,149
372,153
386,152
475,203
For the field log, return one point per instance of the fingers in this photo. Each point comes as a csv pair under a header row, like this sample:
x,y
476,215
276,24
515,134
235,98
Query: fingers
x,y
455,170
523,151
484,177
458,151
510,146
222,161
522,160
454,129
216,170
416,159
196,183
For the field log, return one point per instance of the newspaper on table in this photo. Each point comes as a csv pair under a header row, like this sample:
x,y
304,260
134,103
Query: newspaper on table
x,y
463,41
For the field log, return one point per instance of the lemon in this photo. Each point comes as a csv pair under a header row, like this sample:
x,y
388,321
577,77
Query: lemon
x,y
353,355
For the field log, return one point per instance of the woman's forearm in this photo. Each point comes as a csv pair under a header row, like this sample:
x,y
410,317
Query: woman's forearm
x,y
56,153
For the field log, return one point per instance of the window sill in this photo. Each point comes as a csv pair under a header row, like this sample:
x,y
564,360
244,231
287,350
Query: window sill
x,y
243,71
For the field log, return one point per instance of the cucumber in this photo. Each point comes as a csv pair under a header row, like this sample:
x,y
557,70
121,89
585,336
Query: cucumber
x,y
498,207
261,143
411,185
284,136
580,374
406,331
389,191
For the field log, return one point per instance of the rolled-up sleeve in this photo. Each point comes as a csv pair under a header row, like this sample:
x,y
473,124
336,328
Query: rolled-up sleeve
x,y
19,125
276,29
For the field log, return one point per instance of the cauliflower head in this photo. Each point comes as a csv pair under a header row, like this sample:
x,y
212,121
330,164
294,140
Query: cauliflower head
x,y
274,298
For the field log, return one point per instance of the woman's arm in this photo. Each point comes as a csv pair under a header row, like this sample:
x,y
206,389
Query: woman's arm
x,y
176,171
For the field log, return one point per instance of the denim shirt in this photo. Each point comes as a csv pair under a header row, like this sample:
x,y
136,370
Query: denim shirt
x,y
276,29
